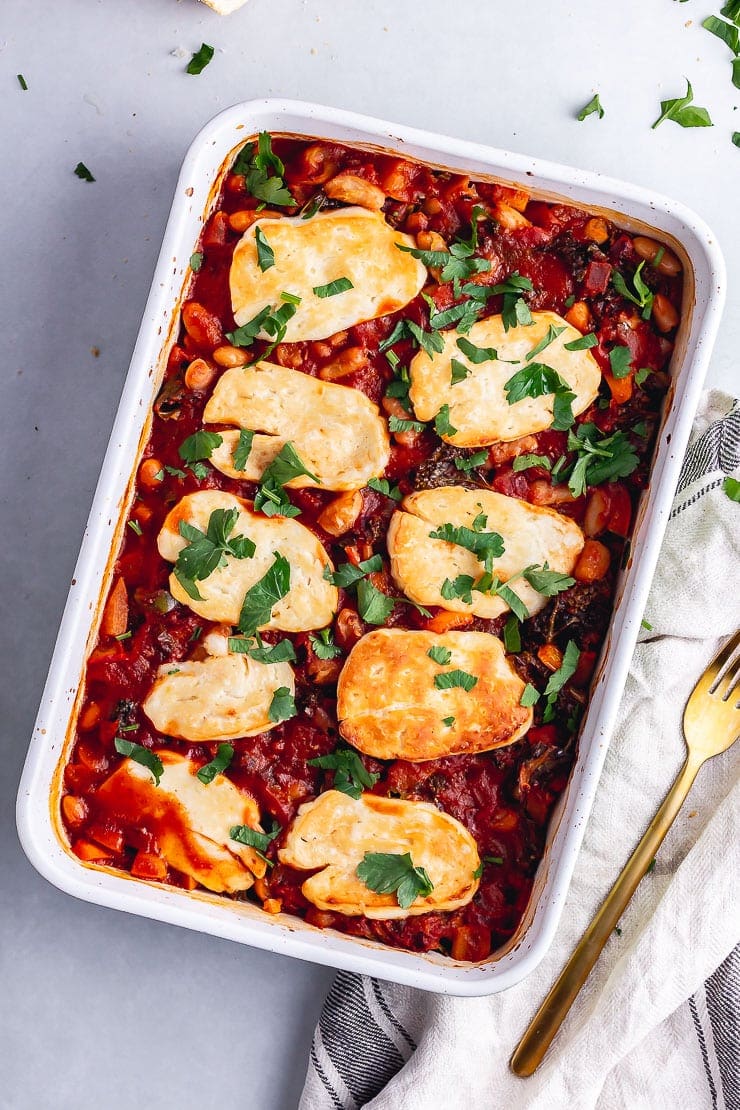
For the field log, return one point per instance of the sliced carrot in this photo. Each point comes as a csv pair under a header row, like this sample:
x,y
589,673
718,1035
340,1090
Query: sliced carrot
x,y
85,849
272,905
446,622
74,810
115,614
109,838
551,656
621,388
147,865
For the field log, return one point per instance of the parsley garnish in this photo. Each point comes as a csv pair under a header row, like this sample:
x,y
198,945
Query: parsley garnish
x,y
196,261
458,587
259,599
529,696
646,625
642,374
512,635
260,841
515,309
592,108
243,448
281,652
271,498
457,262
486,546
442,423
476,355
340,285
323,644
439,654
282,706
141,755
547,582
736,134
272,320
429,341
620,359
450,680
200,59
265,253
205,551
725,31
458,371
538,380
245,335
134,526
382,485
200,445
396,424
83,172
464,315
449,721
374,606
524,462
549,337
642,295
218,764
469,462
263,171
557,680
683,112
599,459
22,81
731,486
350,773
347,574
389,872
583,343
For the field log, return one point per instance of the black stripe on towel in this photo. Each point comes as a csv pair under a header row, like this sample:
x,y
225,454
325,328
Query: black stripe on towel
x,y
704,1053
723,992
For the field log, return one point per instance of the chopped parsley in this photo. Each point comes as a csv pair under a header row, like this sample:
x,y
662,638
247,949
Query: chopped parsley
x,y
442,424
391,872
347,574
397,424
429,341
200,445
260,841
200,59
515,311
263,172
458,261
373,605
524,462
642,375
450,680
196,261
620,360
382,485
557,681
599,458
470,462
512,635
476,355
281,652
538,380
141,755
640,295
271,498
646,625
547,582
583,343
22,81
439,654
592,108
323,644
282,706
530,696
265,253
731,486
206,551
449,721
134,526
340,285
83,172
683,112
350,774
243,448
218,764
486,546
263,595
549,337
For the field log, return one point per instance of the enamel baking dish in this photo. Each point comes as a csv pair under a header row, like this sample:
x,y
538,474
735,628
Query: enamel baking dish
x,y
38,802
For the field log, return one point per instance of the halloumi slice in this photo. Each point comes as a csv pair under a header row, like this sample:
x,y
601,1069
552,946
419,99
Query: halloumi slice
x,y
352,243
334,832
222,697
337,431
310,602
532,535
188,820
479,410
389,706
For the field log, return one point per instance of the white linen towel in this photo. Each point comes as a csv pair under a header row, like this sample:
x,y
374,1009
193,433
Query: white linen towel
x,y
657,1024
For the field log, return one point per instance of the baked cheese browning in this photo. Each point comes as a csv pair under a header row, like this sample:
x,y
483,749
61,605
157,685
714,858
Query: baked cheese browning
x,y
337,431
393,701
478,405
334,832
188,821
352,243
531,534
310,602
222,697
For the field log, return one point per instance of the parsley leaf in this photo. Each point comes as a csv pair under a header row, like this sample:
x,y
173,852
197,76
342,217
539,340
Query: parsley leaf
x,y
535,380
600,459
450,680
476,355
396,424
373,606
347,574
281,652
486,546
141,755
442,423
263,171
567,669
83,172
22,81
547,582
218,764
732,11
620,359
731,486
524,462
642,295
460,587
583,343
389,872
549,337
469,462
457,262
271,498
382,485
642,375
200,445
323,644
243,449
206,551
728,33
515,310
529,696
265,253
263,595
439,654
512,635
683,112
196,261
282,706
429,341
592,108
200,59
350,773
260,841
245,335
340,285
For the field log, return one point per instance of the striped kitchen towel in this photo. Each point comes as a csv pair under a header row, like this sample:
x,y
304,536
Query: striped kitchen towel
x,y
658,1023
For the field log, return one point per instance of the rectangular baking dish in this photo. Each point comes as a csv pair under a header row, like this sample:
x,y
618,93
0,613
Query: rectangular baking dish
x,y
39,827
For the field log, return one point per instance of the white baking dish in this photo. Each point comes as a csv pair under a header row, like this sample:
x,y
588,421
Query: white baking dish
x,y
38,822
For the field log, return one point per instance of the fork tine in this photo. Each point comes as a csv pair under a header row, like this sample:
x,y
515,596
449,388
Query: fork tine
x,y
722,662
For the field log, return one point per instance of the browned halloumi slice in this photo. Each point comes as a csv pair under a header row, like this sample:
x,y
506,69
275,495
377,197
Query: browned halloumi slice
x,y
353,243
222,697
188,820
479,409
334,832
390,706
532,535
337,431
311,601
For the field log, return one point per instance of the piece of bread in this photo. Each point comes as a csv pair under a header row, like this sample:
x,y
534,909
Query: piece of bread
x,y
390,706
334,832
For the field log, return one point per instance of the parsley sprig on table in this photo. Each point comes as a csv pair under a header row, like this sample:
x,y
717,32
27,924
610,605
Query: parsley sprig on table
x,y
683,112
206,551
263,172
393,872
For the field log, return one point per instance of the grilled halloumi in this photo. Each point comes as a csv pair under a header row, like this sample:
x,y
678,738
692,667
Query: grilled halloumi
x,y
310,602
393,701
531,534
338,433
352,243
188,820
334,832
478,405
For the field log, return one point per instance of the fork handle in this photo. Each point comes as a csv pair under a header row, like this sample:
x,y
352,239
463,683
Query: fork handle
x,y
548,1019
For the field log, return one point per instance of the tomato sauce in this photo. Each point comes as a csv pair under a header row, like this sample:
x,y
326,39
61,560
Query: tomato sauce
x,y
504,797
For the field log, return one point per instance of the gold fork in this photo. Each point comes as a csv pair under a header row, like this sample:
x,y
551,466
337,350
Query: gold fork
x,y
711,724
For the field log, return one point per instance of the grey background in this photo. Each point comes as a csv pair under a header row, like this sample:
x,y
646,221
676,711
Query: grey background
x,y
98,1009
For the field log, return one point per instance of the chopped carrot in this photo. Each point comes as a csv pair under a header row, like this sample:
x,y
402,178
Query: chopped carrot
x,y
74,810
86,850
446,622
621,388
551,656
147,865
115,614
